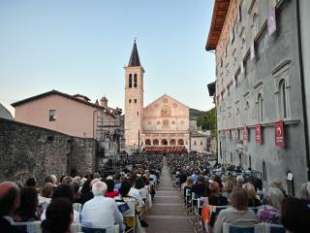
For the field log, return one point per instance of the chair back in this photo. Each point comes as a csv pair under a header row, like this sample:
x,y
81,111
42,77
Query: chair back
x,y
93,230
112,229
131,211
130,214
188,193
29,227
75,228
77,207
273,228
229,228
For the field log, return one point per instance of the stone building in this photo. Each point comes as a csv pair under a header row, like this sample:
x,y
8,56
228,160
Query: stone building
x,y
304,49
74,115
4,113
258,88
162,126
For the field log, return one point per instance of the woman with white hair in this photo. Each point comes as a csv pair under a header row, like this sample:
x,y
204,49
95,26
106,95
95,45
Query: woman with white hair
x,y
271,211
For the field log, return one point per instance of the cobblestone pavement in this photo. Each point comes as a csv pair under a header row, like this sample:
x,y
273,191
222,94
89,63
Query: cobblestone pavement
x,y
167,214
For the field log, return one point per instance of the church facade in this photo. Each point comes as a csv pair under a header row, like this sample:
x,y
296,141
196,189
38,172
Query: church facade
x,y
162,126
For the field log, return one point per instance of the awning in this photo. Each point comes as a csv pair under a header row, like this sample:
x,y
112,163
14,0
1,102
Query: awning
x,y
165,149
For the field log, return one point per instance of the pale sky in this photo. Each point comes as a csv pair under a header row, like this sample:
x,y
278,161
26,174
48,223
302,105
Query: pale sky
x,y
79,46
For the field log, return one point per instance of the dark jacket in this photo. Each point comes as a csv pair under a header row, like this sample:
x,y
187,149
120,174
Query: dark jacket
x,y
5,226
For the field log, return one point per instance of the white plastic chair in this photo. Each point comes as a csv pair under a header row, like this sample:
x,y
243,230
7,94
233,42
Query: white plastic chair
x,y
77,207
272,228
113,229
29,227
230,228
130,216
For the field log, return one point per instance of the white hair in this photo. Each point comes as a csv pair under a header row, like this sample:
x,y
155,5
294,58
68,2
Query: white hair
x,y
54,178
240,179
275,197
99,188
305,191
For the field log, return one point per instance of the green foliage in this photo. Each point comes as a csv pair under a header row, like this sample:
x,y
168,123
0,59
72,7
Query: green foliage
x,y
207,120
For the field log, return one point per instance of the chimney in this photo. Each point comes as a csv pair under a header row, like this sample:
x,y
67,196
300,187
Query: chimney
x,y
104,102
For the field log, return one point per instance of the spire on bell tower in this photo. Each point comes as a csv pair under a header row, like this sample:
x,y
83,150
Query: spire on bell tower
x,y
134,57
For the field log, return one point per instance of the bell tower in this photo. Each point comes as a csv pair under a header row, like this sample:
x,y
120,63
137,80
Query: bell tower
x,y
134,100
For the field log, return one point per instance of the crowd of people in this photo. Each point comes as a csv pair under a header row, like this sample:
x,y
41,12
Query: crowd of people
x,y
91,201
240,196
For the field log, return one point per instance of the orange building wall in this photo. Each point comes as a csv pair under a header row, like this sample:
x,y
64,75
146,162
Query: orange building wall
x,y
72,118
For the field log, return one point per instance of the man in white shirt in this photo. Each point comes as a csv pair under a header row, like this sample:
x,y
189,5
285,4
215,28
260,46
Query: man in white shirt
x,y
100,212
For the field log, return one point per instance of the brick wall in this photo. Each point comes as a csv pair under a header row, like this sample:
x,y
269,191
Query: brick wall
x,y
32,151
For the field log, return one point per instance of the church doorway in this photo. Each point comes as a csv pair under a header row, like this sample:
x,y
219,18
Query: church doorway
x,y
172,142
155,142
181,142
164,142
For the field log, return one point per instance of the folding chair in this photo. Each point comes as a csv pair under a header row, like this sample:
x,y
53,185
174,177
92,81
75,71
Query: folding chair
x,y
188,197
77,207
130,217
113,229
229,228
75,228
29,227
274,228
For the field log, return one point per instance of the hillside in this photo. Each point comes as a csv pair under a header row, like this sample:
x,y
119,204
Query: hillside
x,y
205,120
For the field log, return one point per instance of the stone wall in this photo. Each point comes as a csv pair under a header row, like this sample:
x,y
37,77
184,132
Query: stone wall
x,y
250,68
32,151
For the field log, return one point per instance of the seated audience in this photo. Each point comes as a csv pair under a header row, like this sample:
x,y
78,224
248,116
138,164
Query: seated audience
x,y
228,186
51,179
64,191
86,193
238,213
9,202
215,196
270,212
100,212
188,186
278,184
27,210
253,201
59,216
200,188
110,192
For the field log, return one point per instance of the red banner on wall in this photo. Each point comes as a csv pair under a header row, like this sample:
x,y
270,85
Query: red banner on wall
x,y
279,134
245,135
258,134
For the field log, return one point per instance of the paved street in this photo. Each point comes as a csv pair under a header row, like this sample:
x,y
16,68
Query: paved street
x,y
167,214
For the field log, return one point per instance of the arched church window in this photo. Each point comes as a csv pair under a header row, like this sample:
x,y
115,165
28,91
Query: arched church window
x,y
155,142
135,81
164,142
148,142
130,80
181,142
260,108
